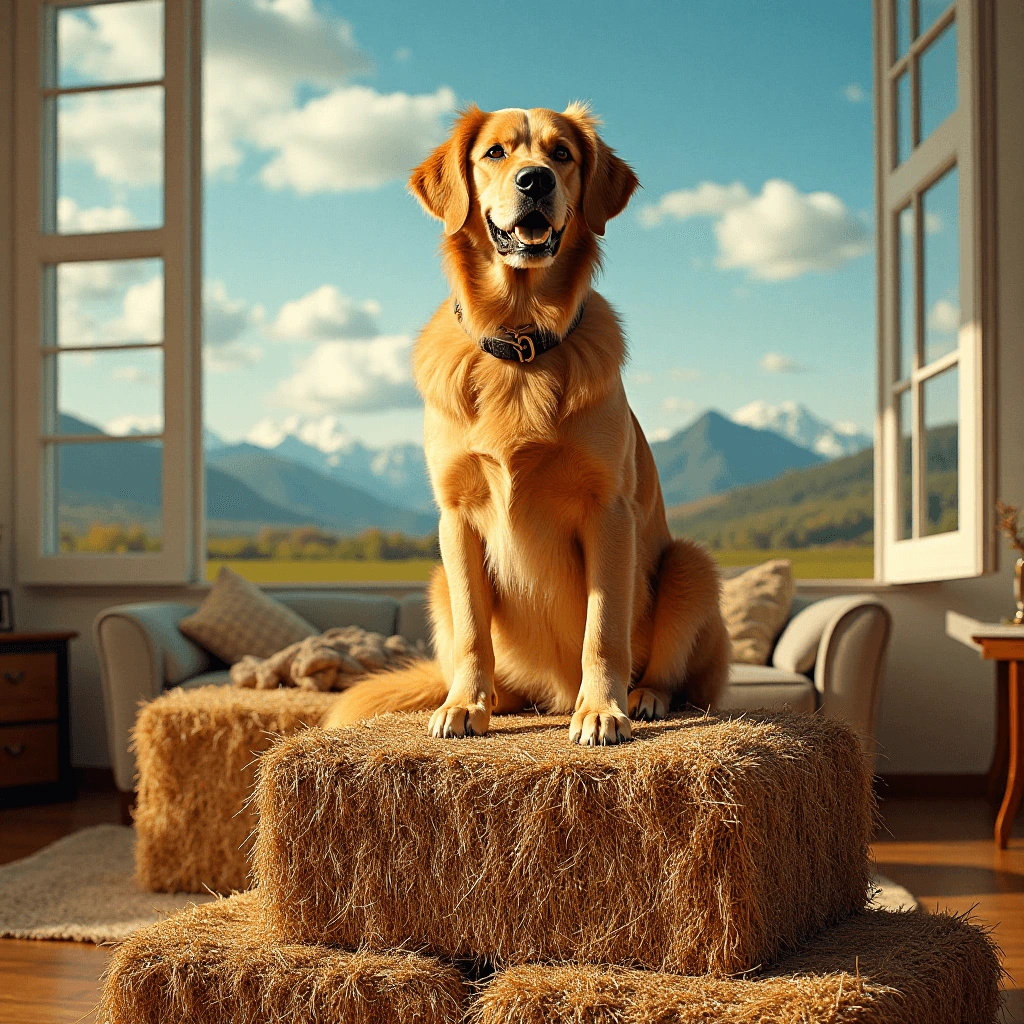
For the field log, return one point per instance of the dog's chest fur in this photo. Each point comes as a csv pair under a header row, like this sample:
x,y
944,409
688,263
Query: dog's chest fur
x,y
510,447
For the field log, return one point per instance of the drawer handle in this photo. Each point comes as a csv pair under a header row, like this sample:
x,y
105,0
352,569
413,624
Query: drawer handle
x,y
14,677
16,751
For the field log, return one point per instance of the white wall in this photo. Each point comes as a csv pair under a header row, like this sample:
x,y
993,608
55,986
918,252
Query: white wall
x,y
937,700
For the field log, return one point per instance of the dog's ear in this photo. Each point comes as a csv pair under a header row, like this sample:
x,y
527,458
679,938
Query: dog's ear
x,y
441,182
608,181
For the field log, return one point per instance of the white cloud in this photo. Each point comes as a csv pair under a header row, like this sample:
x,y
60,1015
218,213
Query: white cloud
x,y
775,362
944,317
783,233
225,319
352,138
675,404
352,376
122,426
324,433
142,316
132,375
87,291
855,93
324,314
402,54
119,43
258,54
779,234
71,218
276,80
119,133
659,434
708,199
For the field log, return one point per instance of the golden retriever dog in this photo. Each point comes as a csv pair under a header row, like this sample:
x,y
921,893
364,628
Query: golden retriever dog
x,y
560,585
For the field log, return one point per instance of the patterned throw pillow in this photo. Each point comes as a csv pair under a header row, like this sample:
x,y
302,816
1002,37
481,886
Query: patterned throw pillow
x,y
755,606
237,619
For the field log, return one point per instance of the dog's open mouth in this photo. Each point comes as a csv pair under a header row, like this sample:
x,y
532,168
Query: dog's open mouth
x,y
532,235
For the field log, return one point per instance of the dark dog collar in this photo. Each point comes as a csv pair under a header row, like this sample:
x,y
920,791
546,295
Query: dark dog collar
x,y
523,344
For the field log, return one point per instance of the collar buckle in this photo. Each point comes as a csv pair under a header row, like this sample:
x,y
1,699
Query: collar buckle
x,y
521,340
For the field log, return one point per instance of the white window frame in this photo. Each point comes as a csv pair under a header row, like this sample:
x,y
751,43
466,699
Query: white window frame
x,y
968,551
177,244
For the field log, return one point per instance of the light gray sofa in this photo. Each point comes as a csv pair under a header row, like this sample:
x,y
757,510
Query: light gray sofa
x,y
828,657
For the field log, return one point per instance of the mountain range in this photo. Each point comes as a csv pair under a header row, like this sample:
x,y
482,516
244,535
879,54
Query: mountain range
x,y
356,487
797,423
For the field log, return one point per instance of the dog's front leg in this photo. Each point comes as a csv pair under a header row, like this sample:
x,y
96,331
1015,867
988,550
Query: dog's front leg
x,y
609,553
467,709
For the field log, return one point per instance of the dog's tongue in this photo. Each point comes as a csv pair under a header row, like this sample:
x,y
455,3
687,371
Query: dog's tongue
x,y
532,235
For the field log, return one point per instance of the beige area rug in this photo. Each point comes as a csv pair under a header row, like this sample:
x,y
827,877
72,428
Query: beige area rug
x,y
81,888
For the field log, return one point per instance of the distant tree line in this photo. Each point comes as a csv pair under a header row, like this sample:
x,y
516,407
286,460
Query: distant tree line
x,y
301,543
312,543
109,539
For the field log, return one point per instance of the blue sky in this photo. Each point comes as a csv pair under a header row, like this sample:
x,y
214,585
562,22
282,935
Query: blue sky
x,y
320,267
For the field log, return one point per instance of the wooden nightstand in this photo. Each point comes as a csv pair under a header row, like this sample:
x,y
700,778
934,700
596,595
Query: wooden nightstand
x,y
35,734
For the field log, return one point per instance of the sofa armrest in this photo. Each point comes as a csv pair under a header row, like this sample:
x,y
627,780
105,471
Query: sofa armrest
x,y
843,641
848,669
140,649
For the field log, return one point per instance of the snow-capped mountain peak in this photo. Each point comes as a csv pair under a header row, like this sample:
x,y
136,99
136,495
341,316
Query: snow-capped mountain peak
x,y
797,423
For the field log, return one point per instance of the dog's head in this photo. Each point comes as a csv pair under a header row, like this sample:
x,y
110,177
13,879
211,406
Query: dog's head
x,y
518,180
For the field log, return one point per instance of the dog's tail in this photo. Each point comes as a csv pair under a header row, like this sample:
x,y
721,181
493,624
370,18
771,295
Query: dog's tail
x,y
417,687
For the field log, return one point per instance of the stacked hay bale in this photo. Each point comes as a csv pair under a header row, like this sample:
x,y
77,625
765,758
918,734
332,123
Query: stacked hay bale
x,y
647,882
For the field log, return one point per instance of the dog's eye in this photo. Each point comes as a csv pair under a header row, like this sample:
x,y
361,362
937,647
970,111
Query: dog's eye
x,y
561,154
495,153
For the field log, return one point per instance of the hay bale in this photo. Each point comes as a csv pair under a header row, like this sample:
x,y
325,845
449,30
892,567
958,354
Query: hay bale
x,y
215,965
875,968
709,845
195,751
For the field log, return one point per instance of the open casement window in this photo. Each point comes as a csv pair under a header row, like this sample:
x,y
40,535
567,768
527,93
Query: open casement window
x,y
931,498
106,263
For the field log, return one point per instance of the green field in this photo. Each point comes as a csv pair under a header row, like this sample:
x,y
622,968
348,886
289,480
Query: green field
x,y
294,570
808,563
853,563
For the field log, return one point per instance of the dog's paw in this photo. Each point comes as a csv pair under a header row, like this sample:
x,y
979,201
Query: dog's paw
x,y
647,705
592,728
454,720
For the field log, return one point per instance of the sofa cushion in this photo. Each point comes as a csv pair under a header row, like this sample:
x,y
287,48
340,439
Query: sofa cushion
x,y
221,678
755,606
327,609
237,619
763,686
414,619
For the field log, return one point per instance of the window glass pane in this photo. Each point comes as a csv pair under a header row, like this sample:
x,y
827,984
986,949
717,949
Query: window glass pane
x,y
105,497
906,286
108,302
941,396
904,127
905,468
929,11
940,208
118,393
938,81
109,160
110,43
901,12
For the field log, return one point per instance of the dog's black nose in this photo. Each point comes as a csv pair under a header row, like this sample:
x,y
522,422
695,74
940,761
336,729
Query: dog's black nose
x,y
535,182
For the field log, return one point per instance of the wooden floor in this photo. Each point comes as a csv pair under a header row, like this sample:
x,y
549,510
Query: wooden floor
x,y
940,849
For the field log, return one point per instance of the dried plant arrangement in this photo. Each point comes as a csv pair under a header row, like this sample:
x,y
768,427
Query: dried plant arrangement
x,y
1010,525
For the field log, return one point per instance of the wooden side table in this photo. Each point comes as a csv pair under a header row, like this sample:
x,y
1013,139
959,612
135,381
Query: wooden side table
x,y
35,730
1005,646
